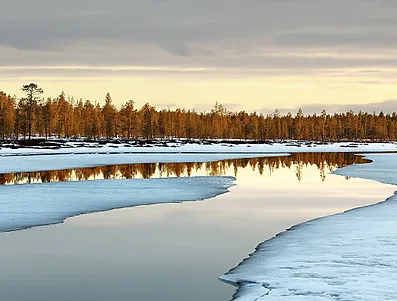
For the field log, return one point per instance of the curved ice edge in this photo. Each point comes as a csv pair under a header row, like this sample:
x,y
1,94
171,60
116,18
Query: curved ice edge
x,y
20,211
238,282
248,289
251,290
378,169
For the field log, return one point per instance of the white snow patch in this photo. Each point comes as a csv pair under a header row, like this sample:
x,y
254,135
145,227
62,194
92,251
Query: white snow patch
x,y
289,147
348,256
383,169
24,206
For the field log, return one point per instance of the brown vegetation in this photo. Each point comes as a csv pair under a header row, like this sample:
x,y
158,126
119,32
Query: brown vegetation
x,y
65,117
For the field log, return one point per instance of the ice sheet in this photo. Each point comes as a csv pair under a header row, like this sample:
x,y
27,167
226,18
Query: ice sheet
x,y
383,169
24,206
346,257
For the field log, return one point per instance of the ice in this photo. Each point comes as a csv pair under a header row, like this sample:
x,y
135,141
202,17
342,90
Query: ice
x,y
382,169
24,206
348,256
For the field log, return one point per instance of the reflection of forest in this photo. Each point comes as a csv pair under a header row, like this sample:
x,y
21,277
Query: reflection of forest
x,y
323,161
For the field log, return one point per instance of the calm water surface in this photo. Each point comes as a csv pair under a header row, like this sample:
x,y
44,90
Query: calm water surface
x,y
324,161
174,251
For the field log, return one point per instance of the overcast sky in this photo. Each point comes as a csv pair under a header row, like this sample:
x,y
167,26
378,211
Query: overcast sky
x,y
252,54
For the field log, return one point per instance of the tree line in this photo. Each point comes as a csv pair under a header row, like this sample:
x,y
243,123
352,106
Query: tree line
x,y
65,117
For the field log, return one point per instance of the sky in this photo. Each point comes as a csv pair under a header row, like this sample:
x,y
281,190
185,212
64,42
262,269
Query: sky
x,y
249,55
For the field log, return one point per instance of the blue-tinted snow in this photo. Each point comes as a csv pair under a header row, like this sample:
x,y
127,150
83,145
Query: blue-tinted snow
x,y
24,206
345,257
383,169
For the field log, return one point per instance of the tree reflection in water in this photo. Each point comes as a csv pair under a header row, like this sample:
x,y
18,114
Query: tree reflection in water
x,y
325,162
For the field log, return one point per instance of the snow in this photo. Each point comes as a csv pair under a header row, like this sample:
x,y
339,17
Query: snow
x,y
25,206
348,256
382,169
200,147
57,162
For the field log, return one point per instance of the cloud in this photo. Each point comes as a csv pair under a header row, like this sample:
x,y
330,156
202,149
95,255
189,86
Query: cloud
x,y
229,34
170,106
387,107
231,107
177,49
338,39
202,107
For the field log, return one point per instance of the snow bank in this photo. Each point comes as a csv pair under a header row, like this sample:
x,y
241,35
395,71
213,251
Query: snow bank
x,y
24,206
382,169
200,147
349,256
50,162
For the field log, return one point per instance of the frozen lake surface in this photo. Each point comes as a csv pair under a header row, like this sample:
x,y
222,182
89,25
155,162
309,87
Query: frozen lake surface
x,y
175,251
348,256
29,205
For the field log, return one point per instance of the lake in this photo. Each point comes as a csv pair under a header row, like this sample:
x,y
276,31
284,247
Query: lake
x,y
173,251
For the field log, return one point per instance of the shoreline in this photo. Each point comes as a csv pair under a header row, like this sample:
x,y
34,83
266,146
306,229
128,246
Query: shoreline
x,y
101,225
258,290
196,147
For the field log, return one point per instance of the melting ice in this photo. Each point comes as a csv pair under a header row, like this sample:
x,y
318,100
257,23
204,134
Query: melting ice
x,y
348,256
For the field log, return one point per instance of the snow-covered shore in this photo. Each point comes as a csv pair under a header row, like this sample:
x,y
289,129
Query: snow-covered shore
x,y
25,206
383,169
197,147
348,256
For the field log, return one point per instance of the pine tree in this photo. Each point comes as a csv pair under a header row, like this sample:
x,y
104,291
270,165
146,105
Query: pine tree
x,y
33,93
109,114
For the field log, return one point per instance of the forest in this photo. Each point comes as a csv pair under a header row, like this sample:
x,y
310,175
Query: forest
x,y
65,117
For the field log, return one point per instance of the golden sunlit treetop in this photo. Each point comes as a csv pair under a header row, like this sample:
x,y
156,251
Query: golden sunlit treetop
x,y
65,117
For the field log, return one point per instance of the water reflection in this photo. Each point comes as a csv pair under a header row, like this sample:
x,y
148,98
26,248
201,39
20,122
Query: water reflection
x,y
176,252
325,162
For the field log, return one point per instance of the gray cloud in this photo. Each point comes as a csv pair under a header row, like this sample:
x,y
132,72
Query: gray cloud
x,y
189,33
177,49
231,107
387,107
170,106
377,39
